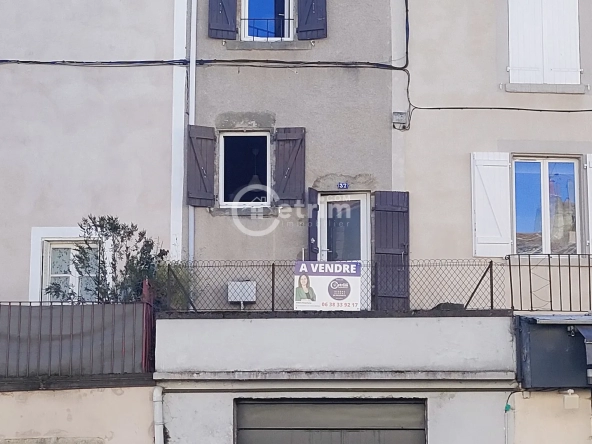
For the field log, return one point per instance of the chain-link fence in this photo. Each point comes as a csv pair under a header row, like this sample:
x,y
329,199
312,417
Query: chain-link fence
x,y
269,285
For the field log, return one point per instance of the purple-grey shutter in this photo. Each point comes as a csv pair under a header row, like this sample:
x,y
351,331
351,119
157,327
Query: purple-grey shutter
x,y
200,166
289,166
313,221
312,19
222,19
391,250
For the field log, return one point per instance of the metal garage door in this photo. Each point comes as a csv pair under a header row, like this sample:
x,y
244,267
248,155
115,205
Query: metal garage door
x,y
333,422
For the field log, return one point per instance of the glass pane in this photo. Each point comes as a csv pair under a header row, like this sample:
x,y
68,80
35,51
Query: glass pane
x,y
93,263
344,235
529,231
562,207
62,281
267,18
60,260
87,289
245,169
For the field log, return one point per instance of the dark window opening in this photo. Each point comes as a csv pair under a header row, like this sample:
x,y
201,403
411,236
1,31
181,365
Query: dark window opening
x,y
267,18
245,169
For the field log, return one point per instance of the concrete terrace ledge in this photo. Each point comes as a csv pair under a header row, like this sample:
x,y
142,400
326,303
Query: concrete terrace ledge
x,y
248,314
340,375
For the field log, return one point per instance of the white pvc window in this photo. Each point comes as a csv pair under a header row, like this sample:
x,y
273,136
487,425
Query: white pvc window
x,y
59,269
267,20
245,170
546,206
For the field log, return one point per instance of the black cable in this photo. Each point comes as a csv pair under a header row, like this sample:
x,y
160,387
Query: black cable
x,y
114,63
297,64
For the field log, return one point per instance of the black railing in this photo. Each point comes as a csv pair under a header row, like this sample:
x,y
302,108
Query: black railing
x,y
420,285
75,339
267,29
552,282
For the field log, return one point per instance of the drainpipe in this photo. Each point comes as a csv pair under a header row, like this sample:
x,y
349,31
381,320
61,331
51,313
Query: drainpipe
x,y
158,417
192,66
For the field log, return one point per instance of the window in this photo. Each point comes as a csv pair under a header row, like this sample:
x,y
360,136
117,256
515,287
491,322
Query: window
x,y
528,205
546,206
266,20
244,171
544,41
59,269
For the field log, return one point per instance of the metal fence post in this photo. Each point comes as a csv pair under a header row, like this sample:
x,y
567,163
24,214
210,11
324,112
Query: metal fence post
x,y
491,283
273,286
168,287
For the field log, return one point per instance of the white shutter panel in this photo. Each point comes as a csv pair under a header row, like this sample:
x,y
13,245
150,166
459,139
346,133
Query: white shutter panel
x,y
588,205
526,41
561,42
492,227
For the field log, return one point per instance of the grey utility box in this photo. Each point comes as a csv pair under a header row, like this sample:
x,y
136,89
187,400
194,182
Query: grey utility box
x,y
242,291
552,351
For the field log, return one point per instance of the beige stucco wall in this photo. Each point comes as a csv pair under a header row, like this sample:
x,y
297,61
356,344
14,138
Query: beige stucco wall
x,y
346,113
82,140
459,55
541,419
113,415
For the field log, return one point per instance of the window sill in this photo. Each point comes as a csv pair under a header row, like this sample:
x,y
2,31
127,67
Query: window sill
x,y
251,212
235,45
545,88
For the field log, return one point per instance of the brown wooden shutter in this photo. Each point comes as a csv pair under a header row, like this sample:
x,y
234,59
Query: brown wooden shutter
x,y
391,250
289,166
222,19
312,19
313,222
200,166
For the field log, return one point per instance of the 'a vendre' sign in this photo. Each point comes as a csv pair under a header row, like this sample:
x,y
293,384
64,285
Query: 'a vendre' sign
x,y
327,286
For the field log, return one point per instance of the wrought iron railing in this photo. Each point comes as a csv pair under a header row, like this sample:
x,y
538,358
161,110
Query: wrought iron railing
x,y
202,286
550,282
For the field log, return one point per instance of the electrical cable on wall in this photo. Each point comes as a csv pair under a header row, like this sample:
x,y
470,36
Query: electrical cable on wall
x,y
114,63
254,63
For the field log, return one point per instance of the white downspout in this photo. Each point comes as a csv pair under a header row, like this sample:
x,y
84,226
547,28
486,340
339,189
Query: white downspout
x,y
192,66
158,416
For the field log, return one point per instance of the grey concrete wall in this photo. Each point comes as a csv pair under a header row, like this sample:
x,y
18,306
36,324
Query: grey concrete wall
x,y
387,344
459,417
346,113
459,55
82,140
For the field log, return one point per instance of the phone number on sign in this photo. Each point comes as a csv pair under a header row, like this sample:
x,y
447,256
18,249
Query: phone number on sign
x,y
340,304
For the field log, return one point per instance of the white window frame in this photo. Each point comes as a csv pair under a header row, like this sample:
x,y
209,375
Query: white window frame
x,y
40,237
324,200
545,216
289,24
224,204
73,276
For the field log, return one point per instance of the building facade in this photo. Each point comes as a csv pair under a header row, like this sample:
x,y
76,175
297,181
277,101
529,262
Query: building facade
x,y
246,135
80,139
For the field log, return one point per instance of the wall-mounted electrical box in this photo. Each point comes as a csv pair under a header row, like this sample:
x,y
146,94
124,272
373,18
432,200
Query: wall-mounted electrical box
x,y
552,351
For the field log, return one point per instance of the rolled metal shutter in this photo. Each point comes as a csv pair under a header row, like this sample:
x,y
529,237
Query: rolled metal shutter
x,y
330,422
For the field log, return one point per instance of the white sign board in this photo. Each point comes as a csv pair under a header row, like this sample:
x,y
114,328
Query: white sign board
x,y
327,286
